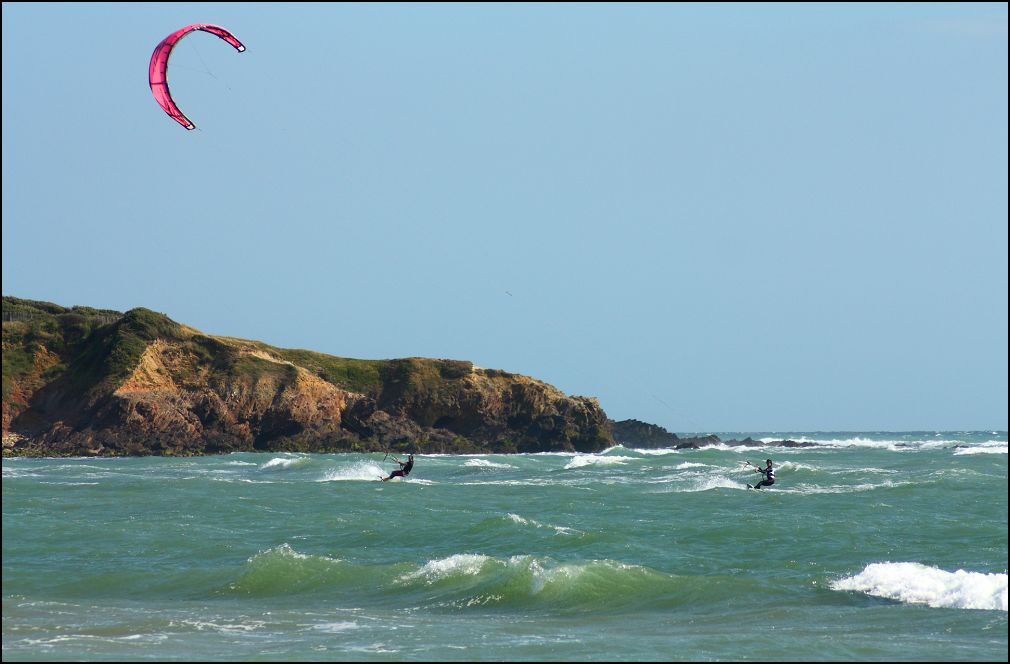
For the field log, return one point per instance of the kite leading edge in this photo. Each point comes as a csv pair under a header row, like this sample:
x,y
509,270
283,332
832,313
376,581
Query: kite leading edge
x,y
158,71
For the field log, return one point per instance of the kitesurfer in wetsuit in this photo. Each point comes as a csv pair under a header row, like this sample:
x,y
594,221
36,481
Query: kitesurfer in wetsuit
x,y
769,474
405,467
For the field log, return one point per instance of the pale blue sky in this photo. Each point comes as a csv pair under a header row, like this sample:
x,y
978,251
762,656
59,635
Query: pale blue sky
x,y
710,217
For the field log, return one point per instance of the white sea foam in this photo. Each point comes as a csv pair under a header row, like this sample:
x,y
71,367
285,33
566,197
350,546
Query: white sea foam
x,y
795,465
484,463
583,460
664,451
837,488
560,530
914,583
864,471
690,464
225,628
70,483
988,447
860,441
469,564
516,454
143,637
360,471
709,482
284,550
11,473
284,462
576,484
614,448
375,648
233,480
336,627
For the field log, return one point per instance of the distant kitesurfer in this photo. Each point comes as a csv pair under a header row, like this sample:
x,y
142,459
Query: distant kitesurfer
x,y
768,472
405,467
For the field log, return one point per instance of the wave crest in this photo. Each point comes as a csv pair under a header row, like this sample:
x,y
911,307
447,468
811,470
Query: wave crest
x,y
583,460
465,580
914,583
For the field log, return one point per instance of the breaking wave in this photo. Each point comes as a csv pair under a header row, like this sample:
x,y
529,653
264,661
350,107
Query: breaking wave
x,y
914,583
463,581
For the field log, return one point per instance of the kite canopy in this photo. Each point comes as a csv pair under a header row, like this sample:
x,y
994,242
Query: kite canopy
x,y
158,73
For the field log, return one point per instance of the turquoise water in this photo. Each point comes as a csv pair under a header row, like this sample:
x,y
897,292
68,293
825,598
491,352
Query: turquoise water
x,y
870,546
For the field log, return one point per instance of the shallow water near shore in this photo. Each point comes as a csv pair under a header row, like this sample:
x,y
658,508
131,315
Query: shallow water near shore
x,y
870,546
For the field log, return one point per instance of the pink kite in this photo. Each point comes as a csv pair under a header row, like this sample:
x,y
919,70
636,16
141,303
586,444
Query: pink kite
x,y
158,73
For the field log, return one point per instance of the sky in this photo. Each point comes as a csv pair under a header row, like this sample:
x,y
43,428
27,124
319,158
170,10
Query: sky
x,y
710,217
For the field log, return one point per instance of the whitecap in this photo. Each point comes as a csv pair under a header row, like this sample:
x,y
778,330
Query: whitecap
x,y
70,483
360,471
796,465
915,583
560,530
281,462
336,627
484,463
892,445
583,460
284,462
469,564
991,447
11,473
224,628
656,452
690,464
838,488
708,483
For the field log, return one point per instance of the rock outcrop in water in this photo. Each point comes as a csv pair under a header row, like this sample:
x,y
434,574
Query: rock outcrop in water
x,y
82,381
635,433
642,435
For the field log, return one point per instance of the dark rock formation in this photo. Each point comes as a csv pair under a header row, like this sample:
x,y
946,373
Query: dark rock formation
x,y
642,435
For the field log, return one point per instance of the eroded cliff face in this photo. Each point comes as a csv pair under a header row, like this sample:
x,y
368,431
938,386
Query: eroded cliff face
x,y
155,387
174,402
492,409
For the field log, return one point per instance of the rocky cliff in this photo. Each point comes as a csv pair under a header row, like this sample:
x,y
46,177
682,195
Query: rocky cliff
x,y
83,381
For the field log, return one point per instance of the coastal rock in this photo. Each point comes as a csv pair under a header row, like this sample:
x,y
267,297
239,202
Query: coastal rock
x,y
697,442
140,383
750,442
642,435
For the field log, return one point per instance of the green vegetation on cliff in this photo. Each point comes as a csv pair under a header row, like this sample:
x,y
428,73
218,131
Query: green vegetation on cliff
x,y
39,338
114,350
364,376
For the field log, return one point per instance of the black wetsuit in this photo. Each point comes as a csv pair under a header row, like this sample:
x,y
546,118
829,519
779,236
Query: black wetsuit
x,y
404,471
769,474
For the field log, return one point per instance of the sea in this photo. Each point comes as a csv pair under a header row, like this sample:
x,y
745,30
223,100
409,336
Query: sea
x,y
876,546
